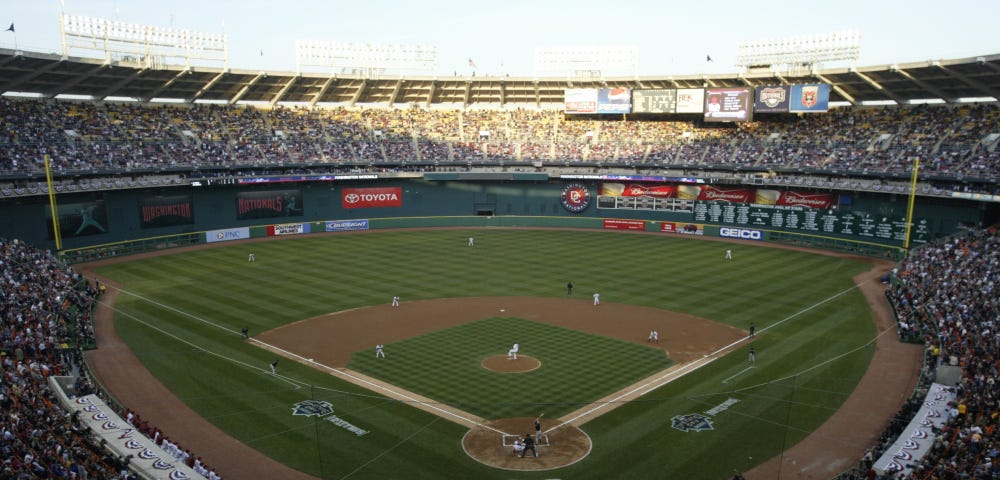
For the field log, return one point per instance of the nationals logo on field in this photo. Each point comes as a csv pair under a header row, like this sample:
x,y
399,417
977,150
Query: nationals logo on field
x,y
371,197
576,197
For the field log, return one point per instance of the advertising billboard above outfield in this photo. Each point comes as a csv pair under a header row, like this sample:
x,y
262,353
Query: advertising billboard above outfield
x,y
598,100
731,104
690,100
813,97
351,198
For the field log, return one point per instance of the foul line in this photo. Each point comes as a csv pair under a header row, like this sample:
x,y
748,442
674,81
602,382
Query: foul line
x,y
737,374
372,385
690,367
168,307
295,383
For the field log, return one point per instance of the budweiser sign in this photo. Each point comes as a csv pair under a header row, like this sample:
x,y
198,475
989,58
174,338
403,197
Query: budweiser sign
x,y
724,195
811,200
352,198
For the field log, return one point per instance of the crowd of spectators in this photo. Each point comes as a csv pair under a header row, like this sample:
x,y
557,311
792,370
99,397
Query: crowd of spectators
x,y
948,295
949,140
45,320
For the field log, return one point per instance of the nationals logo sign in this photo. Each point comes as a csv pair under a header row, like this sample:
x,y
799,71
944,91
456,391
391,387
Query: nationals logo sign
x,y
352,198
576,197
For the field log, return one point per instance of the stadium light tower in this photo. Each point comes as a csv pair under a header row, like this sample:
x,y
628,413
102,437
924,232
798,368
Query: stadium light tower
x,y
799,52
587,61
147,46
365,58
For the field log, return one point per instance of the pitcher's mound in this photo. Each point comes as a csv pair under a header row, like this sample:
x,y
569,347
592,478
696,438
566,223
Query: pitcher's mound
x,y
561,445
500,363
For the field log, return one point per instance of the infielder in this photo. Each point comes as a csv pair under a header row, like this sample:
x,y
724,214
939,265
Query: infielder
x,y
654,336
597,299
512,353
395,301
378,351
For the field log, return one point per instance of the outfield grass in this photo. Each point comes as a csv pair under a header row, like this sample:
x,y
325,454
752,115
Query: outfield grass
x,y
185,328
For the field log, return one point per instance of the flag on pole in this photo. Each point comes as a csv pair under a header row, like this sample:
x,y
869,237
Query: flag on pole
x,y
11,27
472,64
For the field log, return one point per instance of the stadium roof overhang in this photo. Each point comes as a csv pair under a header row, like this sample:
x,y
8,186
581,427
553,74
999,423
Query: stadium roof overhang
x,y
51,75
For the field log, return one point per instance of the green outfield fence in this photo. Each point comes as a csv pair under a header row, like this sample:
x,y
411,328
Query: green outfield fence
x,y
143,245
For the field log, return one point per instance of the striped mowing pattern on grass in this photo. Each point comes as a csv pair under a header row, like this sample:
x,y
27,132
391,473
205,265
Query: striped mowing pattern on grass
x,y
301,278
576,368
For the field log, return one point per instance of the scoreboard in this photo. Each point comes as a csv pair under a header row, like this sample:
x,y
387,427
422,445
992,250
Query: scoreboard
x,y
852,224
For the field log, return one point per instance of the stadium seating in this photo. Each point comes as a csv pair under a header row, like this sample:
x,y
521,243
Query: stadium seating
x,y
84,136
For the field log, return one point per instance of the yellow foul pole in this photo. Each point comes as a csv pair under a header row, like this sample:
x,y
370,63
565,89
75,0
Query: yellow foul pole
x,y
909,208
52,205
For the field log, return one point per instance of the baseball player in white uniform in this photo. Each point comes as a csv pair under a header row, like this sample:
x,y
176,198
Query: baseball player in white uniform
x,y
395,301
250,258
654,336
597,299
378,351
512,353
472,241
729,254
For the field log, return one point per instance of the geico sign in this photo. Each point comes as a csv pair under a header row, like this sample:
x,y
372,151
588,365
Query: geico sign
x,y
741,233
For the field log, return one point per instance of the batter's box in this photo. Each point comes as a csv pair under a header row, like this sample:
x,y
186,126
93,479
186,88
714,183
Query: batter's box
x,y
508,440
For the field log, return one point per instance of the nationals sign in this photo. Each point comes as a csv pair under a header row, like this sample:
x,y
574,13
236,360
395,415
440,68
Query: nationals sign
x,y
371,197
576,197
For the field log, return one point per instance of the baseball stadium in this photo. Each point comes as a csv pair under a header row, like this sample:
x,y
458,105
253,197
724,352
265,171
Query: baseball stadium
x,y
780,273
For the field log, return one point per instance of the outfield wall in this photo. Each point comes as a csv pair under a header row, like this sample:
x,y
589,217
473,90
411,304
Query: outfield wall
x,y
102,218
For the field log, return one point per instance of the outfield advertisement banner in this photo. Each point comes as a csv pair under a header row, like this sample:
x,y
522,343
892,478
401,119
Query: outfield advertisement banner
x,y
116,434
791,198
739,195
227,234
620,224
918,437
269,204
79,219
351,198
685,228
580,100
287,229
345,225
161,211
690,100
741,233
638,190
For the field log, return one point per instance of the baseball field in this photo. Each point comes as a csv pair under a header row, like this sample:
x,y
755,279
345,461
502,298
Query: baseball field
x,y
692,406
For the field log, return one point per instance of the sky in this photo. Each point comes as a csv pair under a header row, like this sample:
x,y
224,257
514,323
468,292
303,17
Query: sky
x,y
500,37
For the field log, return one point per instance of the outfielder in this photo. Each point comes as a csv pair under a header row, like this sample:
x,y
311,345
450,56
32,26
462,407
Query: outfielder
x,y
729,254
250,258
472,241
